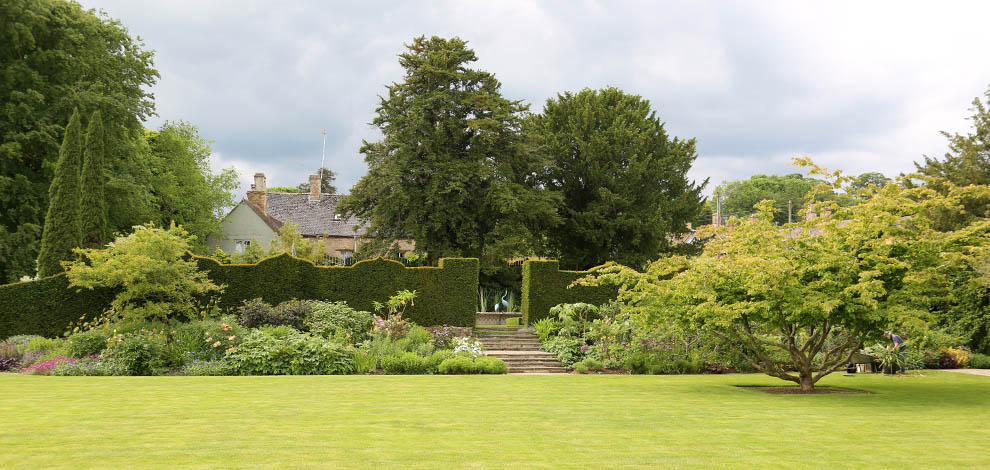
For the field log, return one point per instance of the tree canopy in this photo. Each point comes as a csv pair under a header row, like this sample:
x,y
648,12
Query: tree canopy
x,y
451,170
327,177
57,57
803,298
622,180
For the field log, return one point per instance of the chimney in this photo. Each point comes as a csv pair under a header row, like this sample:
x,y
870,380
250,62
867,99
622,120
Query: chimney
x,y
315,187
716,220
810,214
258,195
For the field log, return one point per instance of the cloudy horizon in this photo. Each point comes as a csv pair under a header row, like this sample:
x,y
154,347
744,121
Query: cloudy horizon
x,y
855,87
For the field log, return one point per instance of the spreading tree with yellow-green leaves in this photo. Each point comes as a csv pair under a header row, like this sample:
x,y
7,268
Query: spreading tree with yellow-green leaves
x,y
799,300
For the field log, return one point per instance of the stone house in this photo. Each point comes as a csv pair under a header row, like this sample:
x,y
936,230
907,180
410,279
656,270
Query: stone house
x,y
263,213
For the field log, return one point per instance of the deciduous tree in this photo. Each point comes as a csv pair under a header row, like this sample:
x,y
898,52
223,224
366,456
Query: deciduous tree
x,y
55,57
799,301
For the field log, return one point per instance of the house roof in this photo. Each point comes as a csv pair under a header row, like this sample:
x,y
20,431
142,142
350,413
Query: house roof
x,y
314,217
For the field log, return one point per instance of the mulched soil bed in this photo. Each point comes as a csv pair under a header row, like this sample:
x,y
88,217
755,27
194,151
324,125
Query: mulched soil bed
x,y
797,391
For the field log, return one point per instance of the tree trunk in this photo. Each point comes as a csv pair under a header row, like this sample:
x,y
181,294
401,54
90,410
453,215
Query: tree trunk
x,y
807,380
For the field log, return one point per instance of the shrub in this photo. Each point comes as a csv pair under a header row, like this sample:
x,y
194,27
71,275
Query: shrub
x,y
92,366
21,340
88,343
593,364
292,312
199,367
914,359
457,365
205,340
947,361
960,355
137,353
150,272
438,357
41,345
336,319
567,349
9,364
469,346
418,335
256,312
406,363
979,361
443,336
467,365
263,353
490,365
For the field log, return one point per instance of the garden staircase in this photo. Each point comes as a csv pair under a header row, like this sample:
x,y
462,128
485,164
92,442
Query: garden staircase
x,y
519,348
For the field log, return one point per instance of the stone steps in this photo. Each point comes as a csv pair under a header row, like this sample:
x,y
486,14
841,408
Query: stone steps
x,y
520,349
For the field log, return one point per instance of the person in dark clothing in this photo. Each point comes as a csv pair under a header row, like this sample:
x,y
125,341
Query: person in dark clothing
x,y
899,346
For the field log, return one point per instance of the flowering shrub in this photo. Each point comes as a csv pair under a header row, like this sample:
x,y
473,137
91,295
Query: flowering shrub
x,y
10,357
443,336
45,367
138,352
92,365
468,346
389,318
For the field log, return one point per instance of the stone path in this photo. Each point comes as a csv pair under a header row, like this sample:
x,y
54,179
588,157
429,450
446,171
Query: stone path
x,y
519,348
985,372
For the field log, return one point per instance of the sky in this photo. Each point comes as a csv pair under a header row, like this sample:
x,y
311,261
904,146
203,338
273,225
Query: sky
x,y
857,86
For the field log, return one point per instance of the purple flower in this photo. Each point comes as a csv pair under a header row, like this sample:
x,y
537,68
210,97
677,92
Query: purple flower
x,y
584,348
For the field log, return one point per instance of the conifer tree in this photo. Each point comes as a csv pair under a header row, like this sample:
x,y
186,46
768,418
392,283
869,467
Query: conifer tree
x,y
62,230
93,208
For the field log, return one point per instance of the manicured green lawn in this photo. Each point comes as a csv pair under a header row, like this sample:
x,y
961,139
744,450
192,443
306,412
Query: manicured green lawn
x,y
934,420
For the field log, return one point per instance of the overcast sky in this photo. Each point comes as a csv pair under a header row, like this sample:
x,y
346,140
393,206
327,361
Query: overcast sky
x,y
858,86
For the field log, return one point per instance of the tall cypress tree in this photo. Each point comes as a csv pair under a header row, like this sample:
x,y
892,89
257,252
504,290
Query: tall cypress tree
x,y
62,230
93,208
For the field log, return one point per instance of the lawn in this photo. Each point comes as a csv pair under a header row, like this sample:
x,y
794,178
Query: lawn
x,y
930,420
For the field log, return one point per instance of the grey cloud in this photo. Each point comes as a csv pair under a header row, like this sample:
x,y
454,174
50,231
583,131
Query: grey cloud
x,y
744,79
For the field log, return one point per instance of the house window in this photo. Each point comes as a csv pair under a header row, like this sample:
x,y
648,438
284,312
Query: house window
x,y
347,256
336,217
240,245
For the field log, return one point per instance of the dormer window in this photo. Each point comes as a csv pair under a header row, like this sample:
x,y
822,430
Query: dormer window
x,y
337,216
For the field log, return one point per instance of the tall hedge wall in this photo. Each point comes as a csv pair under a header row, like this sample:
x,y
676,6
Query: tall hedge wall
x,y
46,306
544,285
447,294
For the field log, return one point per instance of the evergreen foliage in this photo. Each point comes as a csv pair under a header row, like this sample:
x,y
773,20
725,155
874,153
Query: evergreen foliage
x,y
63,231
93,209
622,180
544,286
451,171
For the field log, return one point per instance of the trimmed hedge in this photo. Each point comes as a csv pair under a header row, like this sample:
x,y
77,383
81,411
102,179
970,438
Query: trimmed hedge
x,y
544,285
46,306
446,294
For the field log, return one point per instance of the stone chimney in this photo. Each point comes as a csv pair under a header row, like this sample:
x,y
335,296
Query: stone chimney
x,y
258,195
810,214
315,187
716,220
